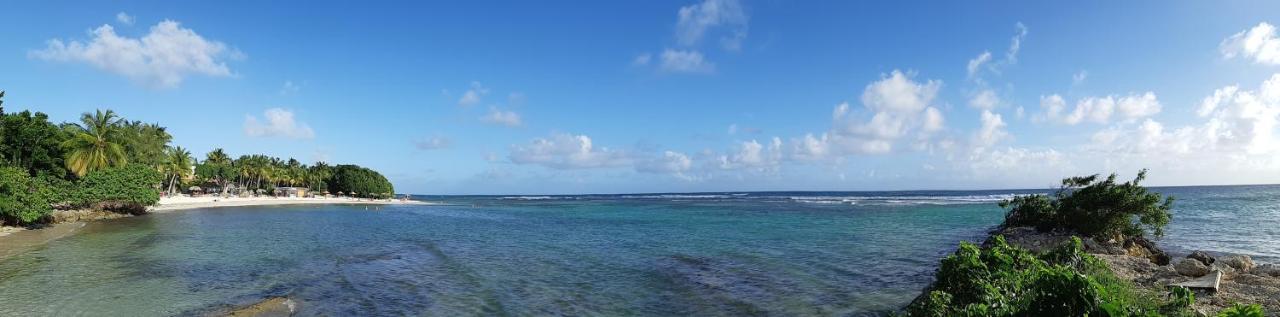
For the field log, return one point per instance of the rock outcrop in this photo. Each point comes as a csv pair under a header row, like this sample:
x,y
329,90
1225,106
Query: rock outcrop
x,y
1191,267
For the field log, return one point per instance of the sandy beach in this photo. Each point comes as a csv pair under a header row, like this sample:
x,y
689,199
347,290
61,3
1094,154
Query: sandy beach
x,y
167,204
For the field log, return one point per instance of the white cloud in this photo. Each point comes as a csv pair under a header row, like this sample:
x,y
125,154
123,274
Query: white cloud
x,y
896,105
933,120
752,154
1015,44
670,162
472,96
1079,77
976,63
992,129
125,18
1260,43
985,100
678,61
1236,139
506,118
279,123
1099,109
696,20
163,58
433,143
567,151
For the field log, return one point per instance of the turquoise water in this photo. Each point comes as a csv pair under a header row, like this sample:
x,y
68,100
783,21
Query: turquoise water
x,y
705,255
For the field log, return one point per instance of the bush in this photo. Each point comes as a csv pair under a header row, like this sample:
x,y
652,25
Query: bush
x,y
1094,207
128,189
363,181
22,199
1003,280
1239,310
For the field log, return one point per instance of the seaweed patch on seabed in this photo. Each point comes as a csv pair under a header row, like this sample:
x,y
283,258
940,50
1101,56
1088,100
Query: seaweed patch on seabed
x,y
395,279
709,286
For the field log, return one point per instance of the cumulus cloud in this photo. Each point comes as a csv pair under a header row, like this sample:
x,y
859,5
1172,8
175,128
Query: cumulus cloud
x,y
163,58
501,117
1099,109
1236,137
986,99
992,129
433,143
472,96
684,61
752,154
125,18
695,21
670,162
896,106
1015,44
567,151
277,122
1259,43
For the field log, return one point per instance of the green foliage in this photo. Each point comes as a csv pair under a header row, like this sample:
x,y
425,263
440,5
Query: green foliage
x,y
29,141
95,144
22,199
1181,297
1003,280
130,188
362,181
144,143
1240,310
1094,207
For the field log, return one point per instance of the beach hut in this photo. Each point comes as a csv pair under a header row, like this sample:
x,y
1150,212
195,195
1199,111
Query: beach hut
x,y
194,190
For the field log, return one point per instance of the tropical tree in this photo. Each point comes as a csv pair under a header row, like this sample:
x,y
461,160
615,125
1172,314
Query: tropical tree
x,y
144,143
217,168
94,143
177,166
29,141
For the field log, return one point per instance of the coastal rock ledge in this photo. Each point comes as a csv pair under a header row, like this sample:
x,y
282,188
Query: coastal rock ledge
x,y
1148,267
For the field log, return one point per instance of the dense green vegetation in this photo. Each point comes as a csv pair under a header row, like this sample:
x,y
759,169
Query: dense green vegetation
x,y
1094,207
1005,280
360,181
105,162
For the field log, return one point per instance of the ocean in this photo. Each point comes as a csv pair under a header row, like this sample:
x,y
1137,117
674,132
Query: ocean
x,y
704,254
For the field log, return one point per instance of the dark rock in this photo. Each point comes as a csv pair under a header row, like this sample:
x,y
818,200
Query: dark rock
x,y
1202,256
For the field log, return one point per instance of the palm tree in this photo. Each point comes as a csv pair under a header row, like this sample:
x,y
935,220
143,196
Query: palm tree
x,y
94,144
178,165
219,157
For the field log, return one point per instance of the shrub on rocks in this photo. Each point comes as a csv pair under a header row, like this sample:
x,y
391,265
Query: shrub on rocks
x,y
1095,207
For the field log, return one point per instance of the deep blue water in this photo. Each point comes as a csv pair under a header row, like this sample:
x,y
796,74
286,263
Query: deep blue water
x,y
706,254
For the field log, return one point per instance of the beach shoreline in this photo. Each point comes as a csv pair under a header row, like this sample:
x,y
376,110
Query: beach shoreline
x,y
23,238
169,204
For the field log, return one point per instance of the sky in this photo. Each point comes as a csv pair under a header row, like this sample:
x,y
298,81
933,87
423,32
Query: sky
x,y
571,97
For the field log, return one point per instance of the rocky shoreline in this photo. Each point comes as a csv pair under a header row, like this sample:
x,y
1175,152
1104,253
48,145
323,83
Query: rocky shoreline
x,y
1140,261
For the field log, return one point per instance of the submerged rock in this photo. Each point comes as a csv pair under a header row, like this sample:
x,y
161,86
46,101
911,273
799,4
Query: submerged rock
x,y
1202,256
271,307
1191,267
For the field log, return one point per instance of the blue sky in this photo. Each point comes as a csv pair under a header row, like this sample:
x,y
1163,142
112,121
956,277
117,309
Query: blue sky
x,y
661,96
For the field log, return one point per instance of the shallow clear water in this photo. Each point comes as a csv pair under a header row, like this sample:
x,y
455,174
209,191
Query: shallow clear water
x,y
704,255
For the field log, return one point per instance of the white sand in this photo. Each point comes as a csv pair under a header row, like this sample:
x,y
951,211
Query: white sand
x,y
184,202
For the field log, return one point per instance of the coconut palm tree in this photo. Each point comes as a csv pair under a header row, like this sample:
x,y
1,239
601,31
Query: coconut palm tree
x,y
178,164
94,144
219,157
